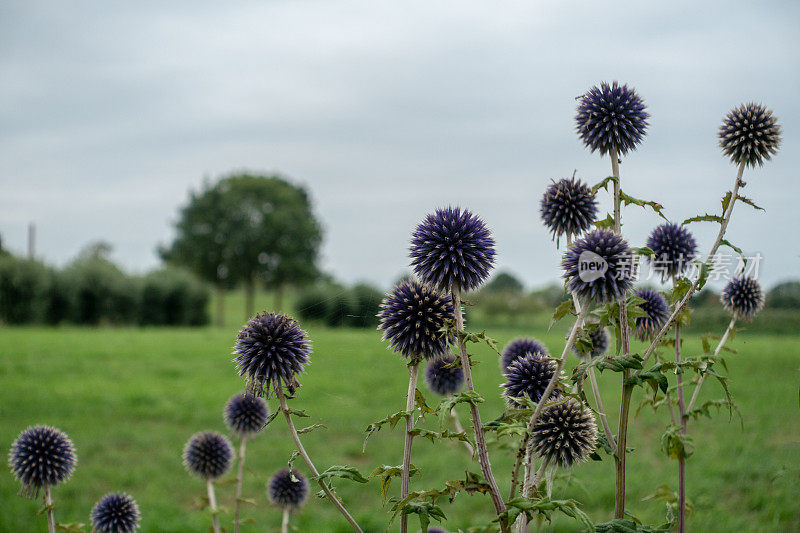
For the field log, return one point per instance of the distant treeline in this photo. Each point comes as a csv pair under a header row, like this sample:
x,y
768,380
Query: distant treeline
x,y
92,290
338,306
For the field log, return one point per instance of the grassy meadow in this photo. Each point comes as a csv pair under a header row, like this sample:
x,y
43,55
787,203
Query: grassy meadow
x,y
130,398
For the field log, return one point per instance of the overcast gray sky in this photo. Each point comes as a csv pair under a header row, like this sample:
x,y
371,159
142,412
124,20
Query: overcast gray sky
x,y
110,113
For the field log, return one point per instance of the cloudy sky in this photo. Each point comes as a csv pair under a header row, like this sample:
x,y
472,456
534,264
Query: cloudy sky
x,y
111,113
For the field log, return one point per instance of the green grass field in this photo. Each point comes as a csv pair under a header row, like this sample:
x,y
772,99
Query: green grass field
x,y
130,398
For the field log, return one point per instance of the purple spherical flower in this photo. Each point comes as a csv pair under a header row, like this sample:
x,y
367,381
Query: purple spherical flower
x,y
673,247
611,117
600,340
41,457
657,310
742,298
529,376
518,348
245,414
565,433
271,348
750,134
208,455
444,376
412,317
116,512
599,267
452,248
568,207
287,489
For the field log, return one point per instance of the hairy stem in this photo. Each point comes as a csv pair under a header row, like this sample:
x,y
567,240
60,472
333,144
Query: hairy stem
x,y
302,451
48,504
285,521
413,370
239,478
721,343
523,447
460,429
681,458
212,503
480,441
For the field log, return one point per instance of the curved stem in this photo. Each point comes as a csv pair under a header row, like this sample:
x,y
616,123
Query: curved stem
x,y
460,429
413,370
302,451
477,425
521,456
285,521
212,503
601,410
239,478
48,504
716,353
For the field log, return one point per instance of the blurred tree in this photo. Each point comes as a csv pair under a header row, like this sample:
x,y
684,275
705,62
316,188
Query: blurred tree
x,y
504,282
244,228
785,295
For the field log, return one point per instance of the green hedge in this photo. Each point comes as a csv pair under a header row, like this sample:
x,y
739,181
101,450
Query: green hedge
x,y
335,306
94,291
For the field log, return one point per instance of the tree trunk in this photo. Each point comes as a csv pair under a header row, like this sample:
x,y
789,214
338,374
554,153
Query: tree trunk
x,y
220,305
250,297
278,298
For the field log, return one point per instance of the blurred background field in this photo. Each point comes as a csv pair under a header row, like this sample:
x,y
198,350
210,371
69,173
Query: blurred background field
x,y
131,397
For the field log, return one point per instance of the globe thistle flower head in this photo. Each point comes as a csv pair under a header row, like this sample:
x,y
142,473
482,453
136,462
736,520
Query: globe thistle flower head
x,y
40,457
657,310
600,341
565,433
568,207
208,455
599,267
673,247
742,298
452,248
611,117
271,349
520,347
444,376
412,316
529,376
287,489
750,134
245,414
116,512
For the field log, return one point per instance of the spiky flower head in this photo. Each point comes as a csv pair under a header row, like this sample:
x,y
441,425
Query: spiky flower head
x,y
568,207
412,316
673,247
444,376
271,348
208,455
116,512
40,457
565,433
750,134
599,267
611,117
519,347
245,414
742,298
657,310
529,376
452,248
600,340
287,489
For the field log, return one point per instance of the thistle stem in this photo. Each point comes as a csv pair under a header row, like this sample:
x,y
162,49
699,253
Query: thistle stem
x,y
682,420
703,377
413,370
212,503
239,481
521,456
460,429
285,521
48,504
302,451
480,441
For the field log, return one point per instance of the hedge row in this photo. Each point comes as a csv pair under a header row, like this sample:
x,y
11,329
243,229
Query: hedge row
x,y
335,306
94,291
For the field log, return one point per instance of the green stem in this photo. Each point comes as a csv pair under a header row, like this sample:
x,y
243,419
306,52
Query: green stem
x,y
413,370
